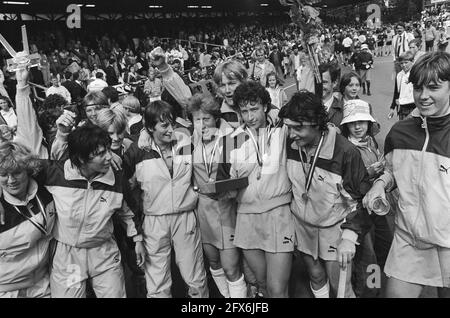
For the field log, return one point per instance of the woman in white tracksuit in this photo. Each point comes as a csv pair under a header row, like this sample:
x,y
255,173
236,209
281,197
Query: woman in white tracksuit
x,y
160,168
25,229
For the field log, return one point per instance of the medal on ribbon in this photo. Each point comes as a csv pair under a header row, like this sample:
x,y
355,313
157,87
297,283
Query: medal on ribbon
x,y
261,155
310,173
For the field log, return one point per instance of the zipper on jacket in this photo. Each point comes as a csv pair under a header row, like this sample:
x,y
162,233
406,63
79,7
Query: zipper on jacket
x,y
86,195
424,148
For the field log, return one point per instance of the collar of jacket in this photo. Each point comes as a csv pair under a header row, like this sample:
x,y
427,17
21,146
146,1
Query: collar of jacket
x,y
146,141
224,130
225,108
336,104
72,173
327,150
242,129
31,193
433,123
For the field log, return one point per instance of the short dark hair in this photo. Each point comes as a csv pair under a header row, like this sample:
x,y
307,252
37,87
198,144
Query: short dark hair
x,y
99,75
8,101
333,69
111,93
251,91
76,76
85,141
346,79
158,111
431,67
67,75
53,101
305,106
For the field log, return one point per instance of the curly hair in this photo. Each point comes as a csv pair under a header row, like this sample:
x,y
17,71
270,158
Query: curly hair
x,y
305,106
54,101
15,157
250,92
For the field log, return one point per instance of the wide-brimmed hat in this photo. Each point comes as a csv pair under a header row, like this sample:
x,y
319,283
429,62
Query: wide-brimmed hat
x,y
356,110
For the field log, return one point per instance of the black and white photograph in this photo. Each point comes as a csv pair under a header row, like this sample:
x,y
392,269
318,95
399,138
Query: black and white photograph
x,y
233,151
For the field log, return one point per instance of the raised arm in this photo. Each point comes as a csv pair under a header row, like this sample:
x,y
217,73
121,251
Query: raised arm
x,y
28,133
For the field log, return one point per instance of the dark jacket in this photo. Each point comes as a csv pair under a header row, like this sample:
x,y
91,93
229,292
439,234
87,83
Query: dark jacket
x,y
76,91
111,77
335,113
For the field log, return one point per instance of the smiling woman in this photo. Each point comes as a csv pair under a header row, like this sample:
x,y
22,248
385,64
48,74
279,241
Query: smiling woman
x,y
419,254
327,228
28,221
431,82
228,76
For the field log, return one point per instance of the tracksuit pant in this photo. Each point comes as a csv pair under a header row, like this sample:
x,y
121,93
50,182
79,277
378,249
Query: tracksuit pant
x,y
180,231
73,266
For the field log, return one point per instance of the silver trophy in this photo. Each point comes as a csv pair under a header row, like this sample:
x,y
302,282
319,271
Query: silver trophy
x,y
23,59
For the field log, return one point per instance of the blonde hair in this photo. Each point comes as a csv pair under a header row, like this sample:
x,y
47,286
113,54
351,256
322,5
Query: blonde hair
x,y
112,117
232,70
16,157
204,102
132,103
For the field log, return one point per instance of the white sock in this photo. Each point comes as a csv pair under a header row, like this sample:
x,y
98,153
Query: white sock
x,y
238,289
221,281
324,292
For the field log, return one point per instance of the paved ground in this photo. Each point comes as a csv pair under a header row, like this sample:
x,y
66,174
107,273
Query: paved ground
x,y
382,88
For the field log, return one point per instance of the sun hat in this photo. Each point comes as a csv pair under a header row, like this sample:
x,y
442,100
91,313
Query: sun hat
x,y
356,110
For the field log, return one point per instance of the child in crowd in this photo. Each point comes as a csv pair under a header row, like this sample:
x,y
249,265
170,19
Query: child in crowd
x,y
357,126
277,95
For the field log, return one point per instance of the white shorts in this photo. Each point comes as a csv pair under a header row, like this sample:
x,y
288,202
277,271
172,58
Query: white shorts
x,y
217,220
318,242
428,267
271,231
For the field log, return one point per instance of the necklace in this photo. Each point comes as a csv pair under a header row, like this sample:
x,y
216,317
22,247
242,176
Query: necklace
x,y
209,165
260,153
41,227
310,173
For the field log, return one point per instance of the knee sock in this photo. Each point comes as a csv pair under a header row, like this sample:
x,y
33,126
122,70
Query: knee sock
x,y
323,292
368,87
238,289
221,281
